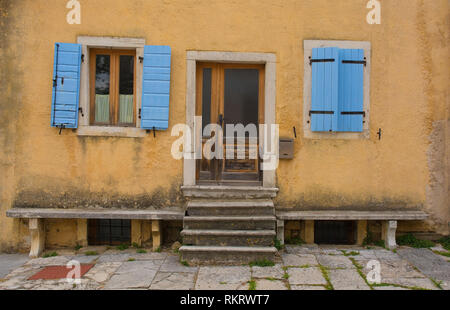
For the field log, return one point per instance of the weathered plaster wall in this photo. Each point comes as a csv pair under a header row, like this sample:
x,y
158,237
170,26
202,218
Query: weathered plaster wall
x,y
409,102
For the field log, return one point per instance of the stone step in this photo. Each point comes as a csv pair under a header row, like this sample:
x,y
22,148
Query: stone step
x,y
225,254
230,222
225,192
228,237
233,207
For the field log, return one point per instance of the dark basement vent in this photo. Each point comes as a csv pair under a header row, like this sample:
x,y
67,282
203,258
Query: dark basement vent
x,y
109,232
334,232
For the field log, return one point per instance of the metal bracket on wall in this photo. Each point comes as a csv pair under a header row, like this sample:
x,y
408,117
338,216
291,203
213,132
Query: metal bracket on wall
x,y
141,59
81,111
61,127
379,134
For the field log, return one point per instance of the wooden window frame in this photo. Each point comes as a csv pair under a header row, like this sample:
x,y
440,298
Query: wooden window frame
x,y
113,86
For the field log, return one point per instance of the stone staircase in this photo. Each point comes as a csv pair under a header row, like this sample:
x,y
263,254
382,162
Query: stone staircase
x,y
228,224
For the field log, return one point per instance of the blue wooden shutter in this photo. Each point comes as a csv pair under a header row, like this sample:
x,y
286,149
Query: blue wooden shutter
x,y
66,85
351,90
156,88
324,92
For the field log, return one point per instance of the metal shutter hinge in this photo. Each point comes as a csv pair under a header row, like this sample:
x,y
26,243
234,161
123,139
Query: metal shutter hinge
x,y
354,113
360,62
320,112
320,60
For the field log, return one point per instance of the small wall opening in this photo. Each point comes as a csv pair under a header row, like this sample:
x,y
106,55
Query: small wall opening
x,y
335,232
109,232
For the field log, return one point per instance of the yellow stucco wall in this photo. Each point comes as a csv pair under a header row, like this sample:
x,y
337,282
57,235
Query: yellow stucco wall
x,y
409,101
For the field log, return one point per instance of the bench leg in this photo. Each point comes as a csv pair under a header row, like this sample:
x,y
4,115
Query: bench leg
x,y
82,229
309,232
280,231
361,232
156,234
37,232
388,230
136,232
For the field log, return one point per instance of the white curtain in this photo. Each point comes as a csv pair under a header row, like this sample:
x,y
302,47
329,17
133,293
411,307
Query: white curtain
x,y
102,108
126,109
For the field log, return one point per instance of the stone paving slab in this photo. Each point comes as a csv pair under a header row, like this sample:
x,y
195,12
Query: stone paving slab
x,y
275,272
393,269
85,259
383,254
410,268
172,264
131,280
274,285
223,278
49,261
307,288
311,275
9,262
347,279
109,258
304,249
138,266
299,259
173,281
390,288
102,271
423,283
149,256
335,261
136,274
427,262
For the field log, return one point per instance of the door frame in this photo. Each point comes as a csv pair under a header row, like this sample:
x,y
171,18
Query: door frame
x,y
218,107
266,59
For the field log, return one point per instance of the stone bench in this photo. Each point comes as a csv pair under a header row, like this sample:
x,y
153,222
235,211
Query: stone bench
x,y
37,218
389,222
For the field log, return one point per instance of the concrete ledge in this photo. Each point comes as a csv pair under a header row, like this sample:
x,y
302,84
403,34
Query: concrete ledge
x,y
352,215
174,214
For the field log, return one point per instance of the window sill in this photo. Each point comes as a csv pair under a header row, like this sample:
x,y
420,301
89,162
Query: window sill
x,y
335,135
103,131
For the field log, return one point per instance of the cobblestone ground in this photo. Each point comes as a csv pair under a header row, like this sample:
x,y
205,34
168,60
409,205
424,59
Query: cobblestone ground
x,y
299,268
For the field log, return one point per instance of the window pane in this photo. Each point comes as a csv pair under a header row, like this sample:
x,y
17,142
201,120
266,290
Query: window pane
x,y
241,96
126,89
206,98
102,78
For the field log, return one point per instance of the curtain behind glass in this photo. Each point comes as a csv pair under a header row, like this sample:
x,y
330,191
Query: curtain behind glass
x,y
126,109
102,108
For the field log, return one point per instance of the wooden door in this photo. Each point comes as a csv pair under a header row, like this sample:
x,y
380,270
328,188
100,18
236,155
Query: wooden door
x,y
230,94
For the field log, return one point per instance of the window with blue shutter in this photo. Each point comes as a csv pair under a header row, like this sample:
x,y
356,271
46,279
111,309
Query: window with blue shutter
x,y
324,95
337,94
156,88
66,85
351,90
